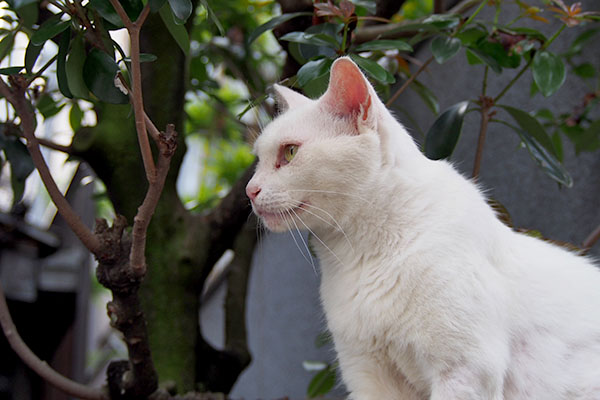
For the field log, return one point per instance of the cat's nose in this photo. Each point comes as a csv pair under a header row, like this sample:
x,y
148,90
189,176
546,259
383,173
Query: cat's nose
x,y
252,191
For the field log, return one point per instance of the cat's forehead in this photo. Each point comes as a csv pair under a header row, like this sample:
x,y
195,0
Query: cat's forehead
x,y
294,126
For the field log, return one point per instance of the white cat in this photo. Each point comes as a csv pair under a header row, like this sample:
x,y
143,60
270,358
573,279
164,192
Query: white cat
x,y
427,294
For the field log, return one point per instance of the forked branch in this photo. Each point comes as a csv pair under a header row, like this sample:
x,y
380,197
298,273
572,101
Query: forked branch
x,y
15,94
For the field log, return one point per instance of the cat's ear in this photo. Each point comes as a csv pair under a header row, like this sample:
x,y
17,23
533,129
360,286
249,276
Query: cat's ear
x,y
348,94
287,98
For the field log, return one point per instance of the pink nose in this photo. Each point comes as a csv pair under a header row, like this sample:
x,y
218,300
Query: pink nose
x,y
252,191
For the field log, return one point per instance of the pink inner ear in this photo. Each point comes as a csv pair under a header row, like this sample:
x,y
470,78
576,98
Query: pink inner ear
x,y
347,90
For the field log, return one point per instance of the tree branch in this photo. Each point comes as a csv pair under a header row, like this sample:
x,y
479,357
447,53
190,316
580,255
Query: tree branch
x,y
15,94
485,119
167,144
14,130
591,239
438,6
138,378
68,386
408,82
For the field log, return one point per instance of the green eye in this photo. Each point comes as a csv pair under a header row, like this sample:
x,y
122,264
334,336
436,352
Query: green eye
x,y
289,152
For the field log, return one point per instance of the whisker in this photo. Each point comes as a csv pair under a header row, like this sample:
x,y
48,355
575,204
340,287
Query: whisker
x,y
331,192
296,241
336,226
302,238
318,238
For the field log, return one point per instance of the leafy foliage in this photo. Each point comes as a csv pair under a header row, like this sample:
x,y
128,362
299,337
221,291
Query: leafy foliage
x,y
495,45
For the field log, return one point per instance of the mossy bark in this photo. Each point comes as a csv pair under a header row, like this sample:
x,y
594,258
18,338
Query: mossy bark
x,y
169,290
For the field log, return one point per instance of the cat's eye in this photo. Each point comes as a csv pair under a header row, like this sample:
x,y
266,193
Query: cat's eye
x,y
290,152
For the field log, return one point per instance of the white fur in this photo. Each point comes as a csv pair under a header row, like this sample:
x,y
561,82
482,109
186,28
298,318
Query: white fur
x,y
427,294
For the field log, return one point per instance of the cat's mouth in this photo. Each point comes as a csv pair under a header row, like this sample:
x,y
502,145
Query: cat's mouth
x,y
280,219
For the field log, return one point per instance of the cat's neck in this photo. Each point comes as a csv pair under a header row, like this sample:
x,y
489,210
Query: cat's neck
x,y
390,213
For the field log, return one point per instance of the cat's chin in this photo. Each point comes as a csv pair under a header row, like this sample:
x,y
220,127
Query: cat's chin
x,y
275,222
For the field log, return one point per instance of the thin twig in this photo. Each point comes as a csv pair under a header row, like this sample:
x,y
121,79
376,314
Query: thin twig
x,y
526,66
438,6
152,129
16,96
57,380
136,82
54,146
408,82
592,238
485,119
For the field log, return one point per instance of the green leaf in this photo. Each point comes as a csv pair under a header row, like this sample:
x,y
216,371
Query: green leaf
x,y
558,146
581,40
156,5
107,11
322,383
495,55
313,70
471,36
272,23
544,113
316,39
369,5
213,17
549,72
47,106
443,135
296,52
533,89
304,52
384,44
49,29
544,158
74,68
182,9
6,45
373,69
28,14
584,139
531,126
20,163
442,21
75,116
132,8
316,87
20,3
472,58
11,70
178,32
61,62
428,97
99,73
444,48
529,32
31,55
585,71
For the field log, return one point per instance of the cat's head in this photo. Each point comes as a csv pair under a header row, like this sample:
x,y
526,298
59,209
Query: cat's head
x,y
316,157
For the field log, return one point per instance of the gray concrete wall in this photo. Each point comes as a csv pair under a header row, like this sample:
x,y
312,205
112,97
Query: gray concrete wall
x,y
284,315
